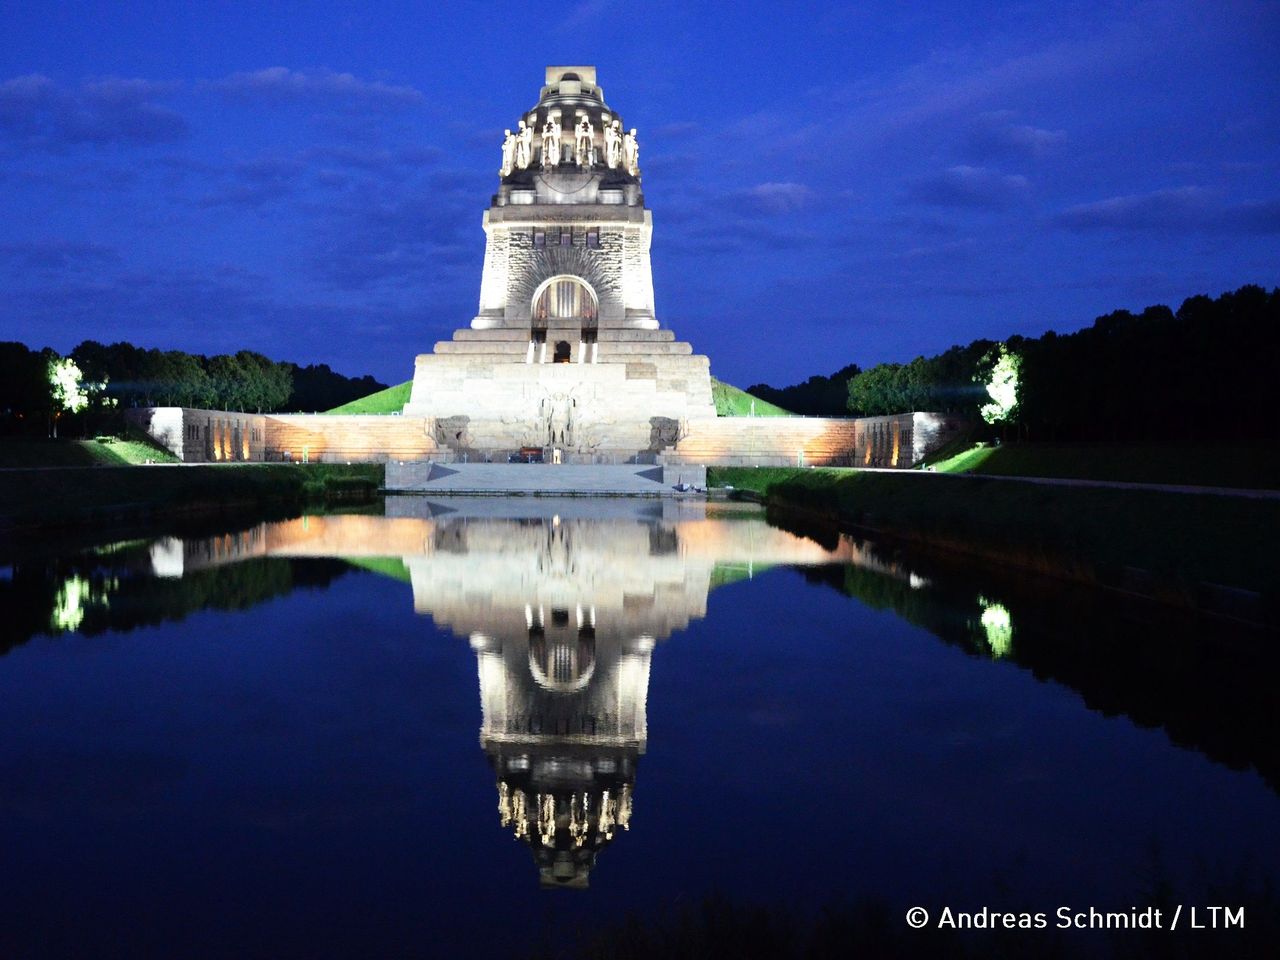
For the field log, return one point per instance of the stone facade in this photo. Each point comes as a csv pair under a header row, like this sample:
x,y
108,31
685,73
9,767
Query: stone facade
x,y
899,441
216,436
565,352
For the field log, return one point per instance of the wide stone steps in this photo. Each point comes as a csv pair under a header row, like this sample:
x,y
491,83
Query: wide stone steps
x,y
538,479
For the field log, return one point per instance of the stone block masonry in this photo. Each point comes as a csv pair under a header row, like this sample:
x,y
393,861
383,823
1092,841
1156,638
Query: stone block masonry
x,y
216,436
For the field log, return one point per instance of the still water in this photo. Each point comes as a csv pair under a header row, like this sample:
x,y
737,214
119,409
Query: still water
x,y
399,734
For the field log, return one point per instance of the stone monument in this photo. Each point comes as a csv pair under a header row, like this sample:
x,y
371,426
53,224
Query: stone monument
x,y
566,353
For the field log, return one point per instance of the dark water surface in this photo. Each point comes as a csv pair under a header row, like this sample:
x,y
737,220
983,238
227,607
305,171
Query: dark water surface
x,y
385,735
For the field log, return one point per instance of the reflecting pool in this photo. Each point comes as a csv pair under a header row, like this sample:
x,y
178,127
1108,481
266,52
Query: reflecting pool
x,y
263,742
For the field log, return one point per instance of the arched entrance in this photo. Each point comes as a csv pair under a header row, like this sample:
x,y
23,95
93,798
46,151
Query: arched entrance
x,y
560,305
565,298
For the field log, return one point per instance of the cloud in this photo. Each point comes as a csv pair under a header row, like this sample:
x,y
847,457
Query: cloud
x,y
55,255
1183,208
258,182
402,235
971,187
677,130
583,14
771,199
298,86
271,178
37,112
213,309
994,135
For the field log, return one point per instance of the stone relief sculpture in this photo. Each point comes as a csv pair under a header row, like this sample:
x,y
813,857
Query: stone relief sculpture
x,y
508,153
583,151
550,144
631,153
524,146
557,412
612,145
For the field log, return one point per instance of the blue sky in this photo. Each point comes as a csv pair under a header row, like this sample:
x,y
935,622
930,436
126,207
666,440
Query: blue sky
x,y
830,183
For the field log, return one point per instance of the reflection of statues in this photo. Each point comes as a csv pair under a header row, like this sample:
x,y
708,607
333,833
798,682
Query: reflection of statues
x,y
524,146
583,151
550,144
508,153
612,145
631,153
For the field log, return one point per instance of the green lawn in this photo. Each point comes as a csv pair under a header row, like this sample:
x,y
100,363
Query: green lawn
x,y
390,400
732,402
103,451
392,567
1223,466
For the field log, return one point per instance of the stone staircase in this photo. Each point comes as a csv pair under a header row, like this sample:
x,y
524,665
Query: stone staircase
x,y
539,479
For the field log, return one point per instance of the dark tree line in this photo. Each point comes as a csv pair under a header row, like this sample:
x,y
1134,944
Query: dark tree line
x,y
1206,372
26,395
817,397
1202,373
136,376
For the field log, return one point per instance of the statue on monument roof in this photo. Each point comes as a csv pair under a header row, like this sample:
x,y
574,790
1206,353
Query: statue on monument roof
x,y
551,143
631,153
612,145
524,146
584,150
508,153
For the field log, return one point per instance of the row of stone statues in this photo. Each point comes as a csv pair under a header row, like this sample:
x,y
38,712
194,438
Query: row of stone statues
x,y
620,149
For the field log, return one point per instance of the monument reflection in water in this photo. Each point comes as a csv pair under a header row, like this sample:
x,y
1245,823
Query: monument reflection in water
x,y
563,602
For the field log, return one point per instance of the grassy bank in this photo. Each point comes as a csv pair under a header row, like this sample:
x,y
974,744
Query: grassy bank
x,y
100,451
733,402
1166,545
390,400
1212,466
38,498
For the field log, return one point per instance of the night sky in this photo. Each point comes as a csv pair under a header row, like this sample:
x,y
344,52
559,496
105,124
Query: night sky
x,y
830,183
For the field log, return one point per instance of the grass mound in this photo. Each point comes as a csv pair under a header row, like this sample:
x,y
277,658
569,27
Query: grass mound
x,y
732,402
1216,466
101,451
390,400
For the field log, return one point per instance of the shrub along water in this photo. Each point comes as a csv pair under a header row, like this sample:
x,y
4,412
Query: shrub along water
x,y
33,499
1173,546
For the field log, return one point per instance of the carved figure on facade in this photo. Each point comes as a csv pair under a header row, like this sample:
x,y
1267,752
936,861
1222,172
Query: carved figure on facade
x,y
508,153
584,152
550,144
557,412
631,153
612,145
524,146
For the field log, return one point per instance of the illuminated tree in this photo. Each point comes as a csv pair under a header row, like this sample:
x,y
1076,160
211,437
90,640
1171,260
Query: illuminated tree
x,y
65,381
1002,387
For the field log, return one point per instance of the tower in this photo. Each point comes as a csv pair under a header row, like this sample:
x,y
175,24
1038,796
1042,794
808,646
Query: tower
x,y
566,352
